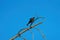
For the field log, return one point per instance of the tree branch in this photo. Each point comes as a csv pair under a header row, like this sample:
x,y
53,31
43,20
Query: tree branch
x,y
20,33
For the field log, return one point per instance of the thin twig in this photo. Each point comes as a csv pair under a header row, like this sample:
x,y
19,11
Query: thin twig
x,y
40,31
32,35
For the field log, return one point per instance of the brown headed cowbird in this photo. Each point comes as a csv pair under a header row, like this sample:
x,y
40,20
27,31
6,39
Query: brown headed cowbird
x,y
31,21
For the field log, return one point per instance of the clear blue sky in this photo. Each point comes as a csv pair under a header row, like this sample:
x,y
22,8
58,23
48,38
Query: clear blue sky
x,y
14,15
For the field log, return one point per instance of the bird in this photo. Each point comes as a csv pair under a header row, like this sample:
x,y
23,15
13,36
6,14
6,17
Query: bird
x,y
31,21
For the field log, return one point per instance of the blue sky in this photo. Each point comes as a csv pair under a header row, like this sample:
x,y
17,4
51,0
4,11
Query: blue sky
x,y
14,15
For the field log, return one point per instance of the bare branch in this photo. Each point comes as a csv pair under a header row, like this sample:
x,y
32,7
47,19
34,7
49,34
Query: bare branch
x,y
20,33
26,29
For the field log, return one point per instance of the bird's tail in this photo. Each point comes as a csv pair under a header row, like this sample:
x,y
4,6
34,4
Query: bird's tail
x,y
27,24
